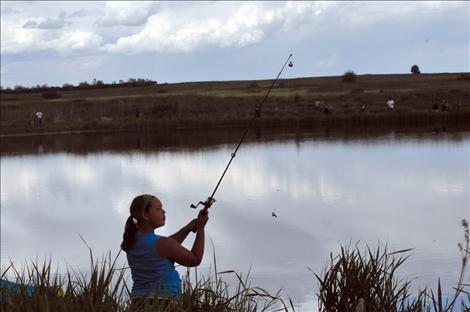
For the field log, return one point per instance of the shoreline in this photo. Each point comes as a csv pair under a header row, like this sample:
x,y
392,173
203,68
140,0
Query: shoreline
x,y
317,102
459,122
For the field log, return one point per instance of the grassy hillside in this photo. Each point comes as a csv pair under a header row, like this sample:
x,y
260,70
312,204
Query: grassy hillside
x,y
232,103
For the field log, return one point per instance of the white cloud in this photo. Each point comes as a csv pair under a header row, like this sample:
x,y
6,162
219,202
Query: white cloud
x,y
126,13
30,24
77,40
164,33
80,13
16,39
248,23
46,24
184,27
52,24
325,37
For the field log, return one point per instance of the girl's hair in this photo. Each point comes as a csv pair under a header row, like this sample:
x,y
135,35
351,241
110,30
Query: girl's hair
x,y
140,204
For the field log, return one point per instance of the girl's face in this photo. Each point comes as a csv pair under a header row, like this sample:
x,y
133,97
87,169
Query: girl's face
x,y
155,215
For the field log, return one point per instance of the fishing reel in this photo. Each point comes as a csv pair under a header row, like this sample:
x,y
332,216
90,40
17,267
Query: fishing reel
x,y
209,201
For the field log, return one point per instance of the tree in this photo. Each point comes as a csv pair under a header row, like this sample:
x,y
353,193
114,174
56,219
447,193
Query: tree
x,y
349,76
415,69
83,85
19,88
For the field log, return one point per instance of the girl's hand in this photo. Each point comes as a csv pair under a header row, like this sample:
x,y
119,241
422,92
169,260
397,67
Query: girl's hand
x,y
192,226
208,203
202,218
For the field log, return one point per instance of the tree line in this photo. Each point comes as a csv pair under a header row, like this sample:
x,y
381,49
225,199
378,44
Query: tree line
x,y
94,84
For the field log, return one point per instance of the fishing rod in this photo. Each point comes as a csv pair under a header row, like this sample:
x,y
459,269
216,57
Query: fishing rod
x,y
257,114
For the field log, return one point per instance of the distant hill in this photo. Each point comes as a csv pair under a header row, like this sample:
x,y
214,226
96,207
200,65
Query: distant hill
x,y
419,99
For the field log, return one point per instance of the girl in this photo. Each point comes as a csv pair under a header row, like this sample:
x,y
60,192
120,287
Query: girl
x,y
151,257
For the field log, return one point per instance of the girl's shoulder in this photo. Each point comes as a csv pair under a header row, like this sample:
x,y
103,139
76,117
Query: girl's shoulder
x,y
148,237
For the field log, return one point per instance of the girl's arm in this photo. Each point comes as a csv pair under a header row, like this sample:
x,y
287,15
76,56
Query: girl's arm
x,y
168,247
181,235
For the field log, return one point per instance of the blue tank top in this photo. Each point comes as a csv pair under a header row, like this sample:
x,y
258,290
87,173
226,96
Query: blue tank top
x,y
152,275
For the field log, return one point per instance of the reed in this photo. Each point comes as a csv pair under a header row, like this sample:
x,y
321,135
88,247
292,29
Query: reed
x,y
354,280
368,280
104,288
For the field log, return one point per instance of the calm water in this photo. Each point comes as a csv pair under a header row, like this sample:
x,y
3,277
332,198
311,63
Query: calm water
x,y
408,191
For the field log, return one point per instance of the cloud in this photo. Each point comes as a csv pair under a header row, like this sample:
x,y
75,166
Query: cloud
x,y
165,33
178,29
186,27
126,13
52,24
77,40
325,37
16,40
80,13
49,23
30,24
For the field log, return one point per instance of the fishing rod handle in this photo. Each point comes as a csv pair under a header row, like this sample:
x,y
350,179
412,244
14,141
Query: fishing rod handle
x,y
209,201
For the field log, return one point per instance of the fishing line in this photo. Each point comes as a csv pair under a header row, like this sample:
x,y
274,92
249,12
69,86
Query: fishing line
x,y
257,114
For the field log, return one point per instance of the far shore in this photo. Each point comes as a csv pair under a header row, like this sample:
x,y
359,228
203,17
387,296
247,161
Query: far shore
x,y
316,103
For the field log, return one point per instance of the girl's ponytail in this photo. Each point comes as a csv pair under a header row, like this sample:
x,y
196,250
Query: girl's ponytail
x,y
130,232
139,204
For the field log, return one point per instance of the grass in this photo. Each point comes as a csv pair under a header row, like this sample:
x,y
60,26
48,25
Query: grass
x,y
368,281
232,103
352,281
104,288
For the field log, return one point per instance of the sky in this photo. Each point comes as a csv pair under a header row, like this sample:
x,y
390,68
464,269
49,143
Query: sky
x,y
69,42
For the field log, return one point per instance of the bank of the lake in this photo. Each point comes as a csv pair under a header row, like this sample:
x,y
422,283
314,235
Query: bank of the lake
x,y
230,104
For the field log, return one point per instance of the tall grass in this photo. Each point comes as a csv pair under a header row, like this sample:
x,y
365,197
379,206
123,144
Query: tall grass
x,y
368,281
354,280
105,288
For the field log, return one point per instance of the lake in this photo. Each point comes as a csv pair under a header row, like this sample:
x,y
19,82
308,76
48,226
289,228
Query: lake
x,y
406,190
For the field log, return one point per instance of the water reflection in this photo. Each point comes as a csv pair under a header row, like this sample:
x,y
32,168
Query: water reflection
x,y
407,192
84,143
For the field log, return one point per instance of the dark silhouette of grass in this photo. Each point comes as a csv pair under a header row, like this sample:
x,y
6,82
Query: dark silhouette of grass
x,y
104,288
368,281
353,281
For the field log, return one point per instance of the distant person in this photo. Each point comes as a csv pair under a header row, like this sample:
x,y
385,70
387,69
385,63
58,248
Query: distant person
x,y
317,104
444,106
152,257
391,104
38,117
363,108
